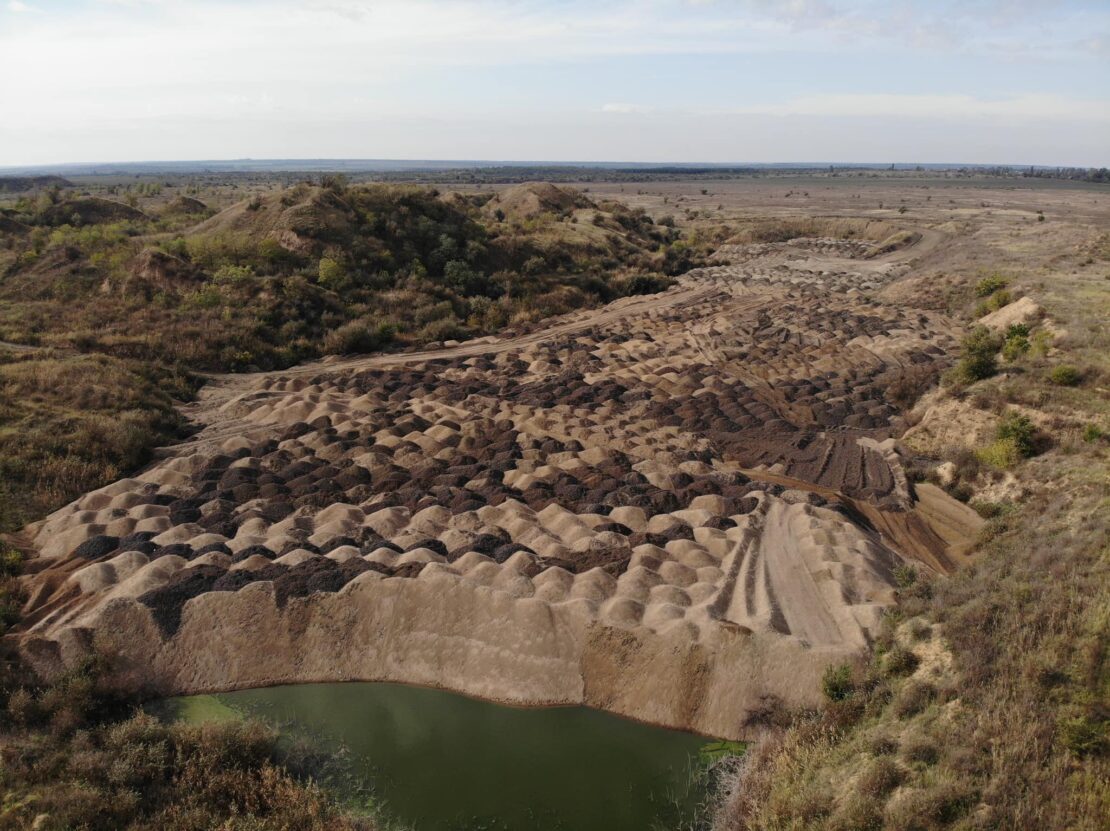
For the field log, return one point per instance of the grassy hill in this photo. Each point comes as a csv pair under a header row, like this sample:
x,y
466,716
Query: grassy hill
x,y
313,270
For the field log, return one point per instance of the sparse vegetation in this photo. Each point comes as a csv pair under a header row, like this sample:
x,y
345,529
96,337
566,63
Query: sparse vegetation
x,y
281,278
71,423
989,285
266,283
73,756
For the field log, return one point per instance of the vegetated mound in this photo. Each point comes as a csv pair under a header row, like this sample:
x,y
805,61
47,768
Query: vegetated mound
x,y
534,198
298,219
154,270
20,184
71,422
12,226
284,277
89,210
186,205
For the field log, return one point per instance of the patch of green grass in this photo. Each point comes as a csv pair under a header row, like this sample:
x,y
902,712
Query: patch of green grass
x,y
1065,375
712,752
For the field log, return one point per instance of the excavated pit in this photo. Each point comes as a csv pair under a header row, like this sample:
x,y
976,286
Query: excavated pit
x,y
673,508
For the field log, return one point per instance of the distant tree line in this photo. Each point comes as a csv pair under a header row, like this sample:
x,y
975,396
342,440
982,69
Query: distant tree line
x,y
1079,174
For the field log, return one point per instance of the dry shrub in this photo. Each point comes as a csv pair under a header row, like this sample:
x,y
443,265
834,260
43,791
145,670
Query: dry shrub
x,y
65,756
923,809
920,750
879,778
858,813
913,698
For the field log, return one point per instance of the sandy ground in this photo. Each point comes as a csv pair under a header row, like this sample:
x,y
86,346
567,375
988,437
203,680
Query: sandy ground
x,y
673,507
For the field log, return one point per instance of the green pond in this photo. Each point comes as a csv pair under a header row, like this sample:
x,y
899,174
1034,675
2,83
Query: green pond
x,y
433,760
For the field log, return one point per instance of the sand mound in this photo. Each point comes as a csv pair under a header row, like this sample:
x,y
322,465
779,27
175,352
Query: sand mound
x,y
534,198
1023,310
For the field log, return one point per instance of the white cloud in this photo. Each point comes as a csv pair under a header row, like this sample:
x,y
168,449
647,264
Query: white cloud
x,y
162,76
17,7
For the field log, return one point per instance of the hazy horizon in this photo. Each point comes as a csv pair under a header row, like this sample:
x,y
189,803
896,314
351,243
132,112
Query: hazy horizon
x,y
1010,82
355,165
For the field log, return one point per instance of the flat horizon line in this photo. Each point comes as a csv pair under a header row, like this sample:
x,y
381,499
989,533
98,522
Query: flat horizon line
x,y
353,164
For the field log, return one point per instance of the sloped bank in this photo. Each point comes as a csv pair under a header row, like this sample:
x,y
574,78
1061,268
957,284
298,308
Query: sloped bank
x,y
440,632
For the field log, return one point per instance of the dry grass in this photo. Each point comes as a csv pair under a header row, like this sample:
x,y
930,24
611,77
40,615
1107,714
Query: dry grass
x,y
1002,721
72,423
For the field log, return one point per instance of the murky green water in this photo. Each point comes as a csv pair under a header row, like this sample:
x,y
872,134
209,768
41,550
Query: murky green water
x,y
436,761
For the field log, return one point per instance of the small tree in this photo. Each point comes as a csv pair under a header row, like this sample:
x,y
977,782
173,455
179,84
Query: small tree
x,y
979,355
332,274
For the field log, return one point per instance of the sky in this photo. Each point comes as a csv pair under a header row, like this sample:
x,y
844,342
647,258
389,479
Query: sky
x,y
963,81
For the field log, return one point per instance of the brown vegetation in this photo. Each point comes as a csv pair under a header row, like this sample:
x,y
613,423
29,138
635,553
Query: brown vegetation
x,y
74,756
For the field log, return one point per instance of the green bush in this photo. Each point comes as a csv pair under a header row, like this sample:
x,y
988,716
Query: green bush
x,y
1019,429
989,285
1001,454
1065,375
332,274
359,336
999,299
837,682
978,355
232,273
448,328
905,576
1014,441
1084,736
1015,346
11,561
